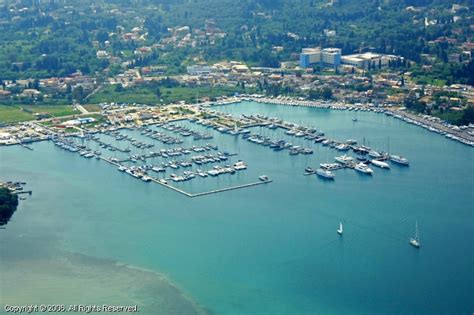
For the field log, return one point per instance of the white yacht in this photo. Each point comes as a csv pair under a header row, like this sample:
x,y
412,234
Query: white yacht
x,y
158,169
240,165
361,167
325,173
415,242
340,230
299,134
380,164
375,154
330,166
342,147
344,159
399,160
264,178
146,178
351,142
122,168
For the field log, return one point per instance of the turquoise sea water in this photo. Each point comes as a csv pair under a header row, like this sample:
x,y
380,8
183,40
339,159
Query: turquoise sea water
x,y
271,249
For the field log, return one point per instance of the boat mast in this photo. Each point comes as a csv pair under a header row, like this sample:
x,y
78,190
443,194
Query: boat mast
x,y
416,232
388,145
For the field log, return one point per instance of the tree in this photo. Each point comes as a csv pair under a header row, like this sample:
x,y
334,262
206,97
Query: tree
x,y
118,88
102,36
326,93
468,116
78,93
8,205
314,94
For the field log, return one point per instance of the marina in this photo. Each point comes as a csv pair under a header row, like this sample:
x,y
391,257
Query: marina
x,y
158,150
253,226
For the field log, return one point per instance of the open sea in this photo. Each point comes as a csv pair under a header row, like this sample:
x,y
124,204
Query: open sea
x,y
90,234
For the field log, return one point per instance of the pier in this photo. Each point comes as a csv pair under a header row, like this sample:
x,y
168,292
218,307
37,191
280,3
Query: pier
x,y
22,192
211,191
157,181
230,188
153,179
110,161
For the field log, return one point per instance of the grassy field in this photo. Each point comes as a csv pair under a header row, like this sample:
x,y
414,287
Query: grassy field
x,y
143,95
92,107
56,111
17,113
132,95
12,114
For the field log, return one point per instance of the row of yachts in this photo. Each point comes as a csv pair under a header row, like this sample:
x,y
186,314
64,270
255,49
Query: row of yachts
x,y
141,172
426,122
346,161
431,127
185,131
175,164
179,151
70,146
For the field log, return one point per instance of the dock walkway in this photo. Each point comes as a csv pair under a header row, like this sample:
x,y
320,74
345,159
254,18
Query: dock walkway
x,y
156,180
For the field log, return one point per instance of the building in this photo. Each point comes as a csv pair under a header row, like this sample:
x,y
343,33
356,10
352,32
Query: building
x,y
325,57
310,56
4,95
31,93
199,70
363,61
102,54
331,56
353,60
79,121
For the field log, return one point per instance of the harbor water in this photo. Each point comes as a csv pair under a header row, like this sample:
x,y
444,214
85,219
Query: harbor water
x,y
268,249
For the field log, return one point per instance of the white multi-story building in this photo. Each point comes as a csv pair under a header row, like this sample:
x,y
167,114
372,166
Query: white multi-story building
x,y
326,56
310,56
331,56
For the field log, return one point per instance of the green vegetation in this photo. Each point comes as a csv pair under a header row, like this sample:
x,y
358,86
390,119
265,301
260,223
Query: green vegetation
x,y
13,114
92,107
140,95
18,113
55,111
458,117
324,93
153,95
8,205
51,39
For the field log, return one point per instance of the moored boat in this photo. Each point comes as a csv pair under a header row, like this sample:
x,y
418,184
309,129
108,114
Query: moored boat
x,y
398,159
361,167
380,164
325,173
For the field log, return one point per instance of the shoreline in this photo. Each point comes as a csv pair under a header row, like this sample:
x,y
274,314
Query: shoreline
x,y
427,122
396,112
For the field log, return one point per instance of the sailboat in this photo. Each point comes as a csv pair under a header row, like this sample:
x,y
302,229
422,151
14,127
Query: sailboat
x,y
340,229
415,242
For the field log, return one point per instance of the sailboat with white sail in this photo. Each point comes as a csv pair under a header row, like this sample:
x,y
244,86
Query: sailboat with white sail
x,y
415,242
340,230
